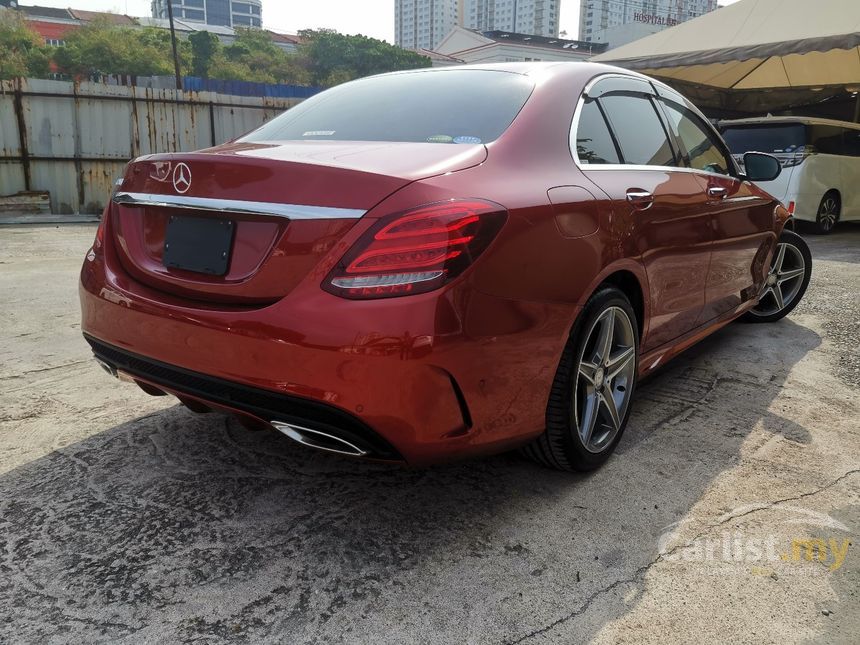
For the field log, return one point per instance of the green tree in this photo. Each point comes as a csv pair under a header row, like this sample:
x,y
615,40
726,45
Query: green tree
x,y
205,49
22,52
103,48
253,56
332,58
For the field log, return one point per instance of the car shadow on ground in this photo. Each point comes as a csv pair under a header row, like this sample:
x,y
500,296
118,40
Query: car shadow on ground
x,y
175,526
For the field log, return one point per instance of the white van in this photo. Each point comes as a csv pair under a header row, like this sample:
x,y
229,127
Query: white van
x,y
820,181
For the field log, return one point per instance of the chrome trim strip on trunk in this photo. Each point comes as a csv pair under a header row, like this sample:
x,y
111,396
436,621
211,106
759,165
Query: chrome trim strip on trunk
x,y
272,209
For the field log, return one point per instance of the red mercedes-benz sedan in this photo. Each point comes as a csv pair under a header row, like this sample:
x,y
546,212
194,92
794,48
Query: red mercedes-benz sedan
x,y
439,264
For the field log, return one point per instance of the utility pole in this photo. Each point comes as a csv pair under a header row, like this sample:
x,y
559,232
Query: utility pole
x,y
173,43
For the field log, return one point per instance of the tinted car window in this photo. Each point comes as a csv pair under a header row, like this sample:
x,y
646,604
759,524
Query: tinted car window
x,y
456,106
593,142
638,129
827,139
700,144
777,138
851,142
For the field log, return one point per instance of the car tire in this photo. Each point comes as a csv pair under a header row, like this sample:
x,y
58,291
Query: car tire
x,y
828,213
581,429
785,284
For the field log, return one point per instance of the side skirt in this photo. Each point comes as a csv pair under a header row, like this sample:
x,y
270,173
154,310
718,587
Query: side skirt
x,y
656,358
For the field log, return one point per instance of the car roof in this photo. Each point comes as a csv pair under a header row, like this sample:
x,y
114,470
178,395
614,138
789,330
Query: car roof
x,y
782,120
523,68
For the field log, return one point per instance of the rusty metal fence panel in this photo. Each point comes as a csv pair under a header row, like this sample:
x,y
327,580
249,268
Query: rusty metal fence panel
x,y
74,139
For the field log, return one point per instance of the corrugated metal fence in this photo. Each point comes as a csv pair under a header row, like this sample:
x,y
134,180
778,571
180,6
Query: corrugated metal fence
x,y
73,139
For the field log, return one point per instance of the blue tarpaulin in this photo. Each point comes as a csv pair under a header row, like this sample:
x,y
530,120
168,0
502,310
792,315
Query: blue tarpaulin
x,y
247,88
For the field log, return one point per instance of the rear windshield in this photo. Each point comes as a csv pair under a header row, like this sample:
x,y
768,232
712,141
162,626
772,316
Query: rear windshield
x,y
456,106
769,138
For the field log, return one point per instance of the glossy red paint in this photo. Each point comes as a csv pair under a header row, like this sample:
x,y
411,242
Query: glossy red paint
x,y
464,369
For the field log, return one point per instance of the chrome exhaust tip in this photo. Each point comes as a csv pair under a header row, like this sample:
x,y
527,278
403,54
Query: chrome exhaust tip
x,y
318,439
107,367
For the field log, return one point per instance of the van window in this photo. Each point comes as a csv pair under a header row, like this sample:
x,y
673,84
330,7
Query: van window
x,y
638,130
827,139
851,142
593,141
700,144
776,138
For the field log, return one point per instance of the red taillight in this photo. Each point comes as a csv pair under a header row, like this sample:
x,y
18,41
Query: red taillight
x,y
416,251
791,208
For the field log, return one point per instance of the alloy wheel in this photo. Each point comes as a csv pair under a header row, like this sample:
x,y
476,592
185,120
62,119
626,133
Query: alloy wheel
x,y
828,213
784,280
604,379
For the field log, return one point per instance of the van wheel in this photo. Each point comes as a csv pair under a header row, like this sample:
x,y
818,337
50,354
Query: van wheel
x,y
786,281
828,213
589,402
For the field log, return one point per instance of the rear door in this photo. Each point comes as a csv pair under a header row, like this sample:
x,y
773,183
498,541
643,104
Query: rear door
x,y
741,220
663,207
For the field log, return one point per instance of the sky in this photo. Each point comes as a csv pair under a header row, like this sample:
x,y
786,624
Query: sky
x,y
369,17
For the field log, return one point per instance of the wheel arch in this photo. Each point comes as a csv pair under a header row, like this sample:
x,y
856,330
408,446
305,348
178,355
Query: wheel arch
x,y
838,193
628,284
630,278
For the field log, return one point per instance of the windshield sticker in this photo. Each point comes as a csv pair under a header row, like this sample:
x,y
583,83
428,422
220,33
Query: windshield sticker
x,y
440,138
318,133
467,139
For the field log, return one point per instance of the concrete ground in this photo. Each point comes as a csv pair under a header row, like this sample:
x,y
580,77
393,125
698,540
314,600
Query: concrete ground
x,y
125,518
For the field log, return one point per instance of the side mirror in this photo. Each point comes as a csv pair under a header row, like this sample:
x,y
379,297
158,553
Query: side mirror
x,y
761,167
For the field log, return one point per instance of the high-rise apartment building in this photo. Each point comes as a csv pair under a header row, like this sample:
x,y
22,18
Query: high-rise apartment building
x,y
422,24
226,13
533,17
620,21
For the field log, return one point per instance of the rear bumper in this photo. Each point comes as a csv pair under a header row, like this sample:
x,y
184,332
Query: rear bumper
x,y
259,404
423,379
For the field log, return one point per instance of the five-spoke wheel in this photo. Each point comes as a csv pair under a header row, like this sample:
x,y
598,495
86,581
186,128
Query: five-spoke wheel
x,y
606,372
590,399
786,281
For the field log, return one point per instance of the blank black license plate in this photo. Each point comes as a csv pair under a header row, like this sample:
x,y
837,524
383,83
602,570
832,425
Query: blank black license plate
x,y
198,244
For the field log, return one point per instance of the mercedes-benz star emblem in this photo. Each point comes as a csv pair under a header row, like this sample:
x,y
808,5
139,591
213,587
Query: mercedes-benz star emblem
x,y
181,178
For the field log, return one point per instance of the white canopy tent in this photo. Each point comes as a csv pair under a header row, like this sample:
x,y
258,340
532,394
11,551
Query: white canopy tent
x,y
755,55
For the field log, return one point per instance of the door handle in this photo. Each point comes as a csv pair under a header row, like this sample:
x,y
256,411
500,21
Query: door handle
x,y
717,192
640,199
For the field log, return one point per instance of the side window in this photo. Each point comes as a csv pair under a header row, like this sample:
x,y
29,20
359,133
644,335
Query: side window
x,y
827,139
638,129
594,143
851,142
699,142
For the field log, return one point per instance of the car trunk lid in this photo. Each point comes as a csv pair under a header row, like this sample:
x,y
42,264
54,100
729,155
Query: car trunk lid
x,y
247,222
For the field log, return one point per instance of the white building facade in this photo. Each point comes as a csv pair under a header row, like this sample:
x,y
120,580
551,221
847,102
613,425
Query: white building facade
x,y
619,22
422,24
533,17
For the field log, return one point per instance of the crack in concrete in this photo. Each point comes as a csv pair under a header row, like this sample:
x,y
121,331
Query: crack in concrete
x,y
641,571
779,501
42,369
588,602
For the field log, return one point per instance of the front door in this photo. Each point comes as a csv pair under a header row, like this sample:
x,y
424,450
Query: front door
x,y
742,221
